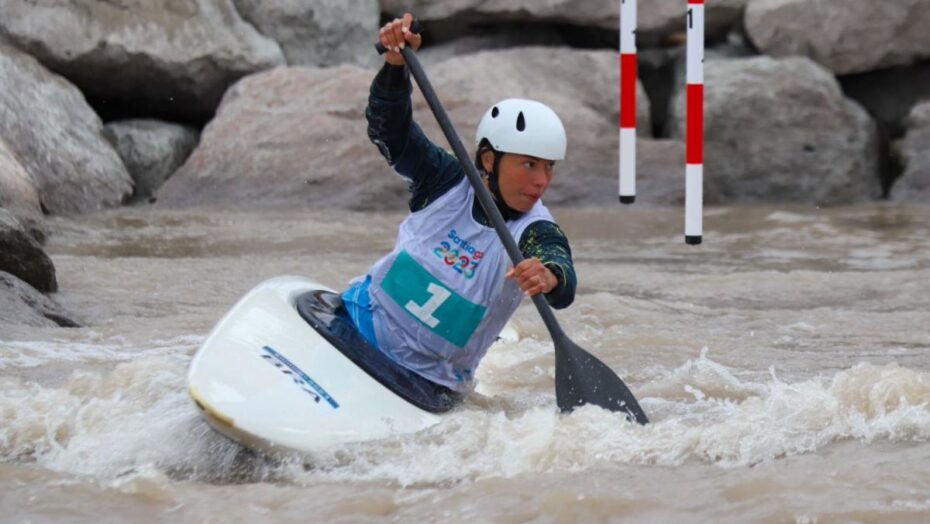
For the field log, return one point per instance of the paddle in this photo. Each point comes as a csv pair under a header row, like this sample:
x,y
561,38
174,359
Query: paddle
x,y
580,378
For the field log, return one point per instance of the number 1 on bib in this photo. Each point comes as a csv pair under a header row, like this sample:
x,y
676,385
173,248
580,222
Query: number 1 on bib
x,y
425,312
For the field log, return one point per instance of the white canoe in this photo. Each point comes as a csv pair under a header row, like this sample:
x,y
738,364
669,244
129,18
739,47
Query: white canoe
x,y
267,379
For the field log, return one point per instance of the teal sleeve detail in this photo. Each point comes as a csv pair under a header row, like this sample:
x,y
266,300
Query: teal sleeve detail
x,y
545,241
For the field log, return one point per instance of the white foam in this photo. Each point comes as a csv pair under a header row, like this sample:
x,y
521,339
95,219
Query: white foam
x,y
731,424
789,218
136,419
31,354
109,425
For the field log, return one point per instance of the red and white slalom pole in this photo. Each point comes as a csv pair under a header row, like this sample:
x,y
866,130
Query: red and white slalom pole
x,y
694,171
627,101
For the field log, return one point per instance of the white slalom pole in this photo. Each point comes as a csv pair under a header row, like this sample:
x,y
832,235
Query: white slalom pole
x,y
627,101
694,171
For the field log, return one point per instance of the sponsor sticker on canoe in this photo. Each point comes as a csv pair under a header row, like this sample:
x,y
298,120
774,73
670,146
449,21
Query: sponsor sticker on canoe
x,y
298,377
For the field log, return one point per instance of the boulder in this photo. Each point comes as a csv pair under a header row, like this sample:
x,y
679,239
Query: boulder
x,y
152,151
297,136
660,175
22,256
660,180
21,304
292,136
317,32
433,55
17,191
19,196
173,58
845,36
658,20
49,128
914,184
781,130
663,21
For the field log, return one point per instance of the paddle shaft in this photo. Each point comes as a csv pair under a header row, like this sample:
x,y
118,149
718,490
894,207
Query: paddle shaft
x,y
580,378
484,196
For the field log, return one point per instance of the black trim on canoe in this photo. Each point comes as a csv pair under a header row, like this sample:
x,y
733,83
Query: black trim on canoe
x,y
326,314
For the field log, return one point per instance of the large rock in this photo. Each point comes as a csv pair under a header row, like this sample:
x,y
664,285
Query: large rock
x,y
21,304
291,136
17,191
22,256
19,195
660,180
171,57
152,151
664,21
48,126
914,184
297,136
845,36
658,20
433,55
317,32
782,130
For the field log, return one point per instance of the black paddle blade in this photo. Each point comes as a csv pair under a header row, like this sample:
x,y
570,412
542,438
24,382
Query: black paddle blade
x,y
580,378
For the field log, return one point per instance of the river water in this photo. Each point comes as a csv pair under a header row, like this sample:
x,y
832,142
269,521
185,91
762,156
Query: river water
x,y
785,364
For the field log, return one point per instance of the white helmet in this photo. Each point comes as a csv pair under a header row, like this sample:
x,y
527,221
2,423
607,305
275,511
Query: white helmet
x,y
523,127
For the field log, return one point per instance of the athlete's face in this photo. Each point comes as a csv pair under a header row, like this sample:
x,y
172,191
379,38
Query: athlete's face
x,y
522,179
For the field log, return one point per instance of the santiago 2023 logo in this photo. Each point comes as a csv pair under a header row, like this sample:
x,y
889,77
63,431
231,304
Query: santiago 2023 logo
x,y
464,258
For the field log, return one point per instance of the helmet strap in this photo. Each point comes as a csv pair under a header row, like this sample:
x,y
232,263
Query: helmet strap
x,y
507,212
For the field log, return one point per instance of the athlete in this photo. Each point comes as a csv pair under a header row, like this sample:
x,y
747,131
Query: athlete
x,y
440,298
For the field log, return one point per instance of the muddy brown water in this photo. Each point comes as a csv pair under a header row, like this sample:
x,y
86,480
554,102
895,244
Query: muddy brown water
x,y
785,364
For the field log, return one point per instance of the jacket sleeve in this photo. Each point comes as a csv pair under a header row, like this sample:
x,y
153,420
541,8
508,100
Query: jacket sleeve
x,y
545,241
429,169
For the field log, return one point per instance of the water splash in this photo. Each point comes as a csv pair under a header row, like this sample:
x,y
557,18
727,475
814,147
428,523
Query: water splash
x,y
136,419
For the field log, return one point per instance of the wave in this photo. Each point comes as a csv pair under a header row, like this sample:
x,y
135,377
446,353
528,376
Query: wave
x,y
136,419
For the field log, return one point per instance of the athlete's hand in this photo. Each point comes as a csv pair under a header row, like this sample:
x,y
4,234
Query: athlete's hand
x,y
395,35
533,277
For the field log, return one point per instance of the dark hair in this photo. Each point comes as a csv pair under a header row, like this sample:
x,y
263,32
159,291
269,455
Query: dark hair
x,y
485,145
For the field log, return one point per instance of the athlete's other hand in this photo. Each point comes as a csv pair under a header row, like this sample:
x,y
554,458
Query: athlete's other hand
x,y
395,35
